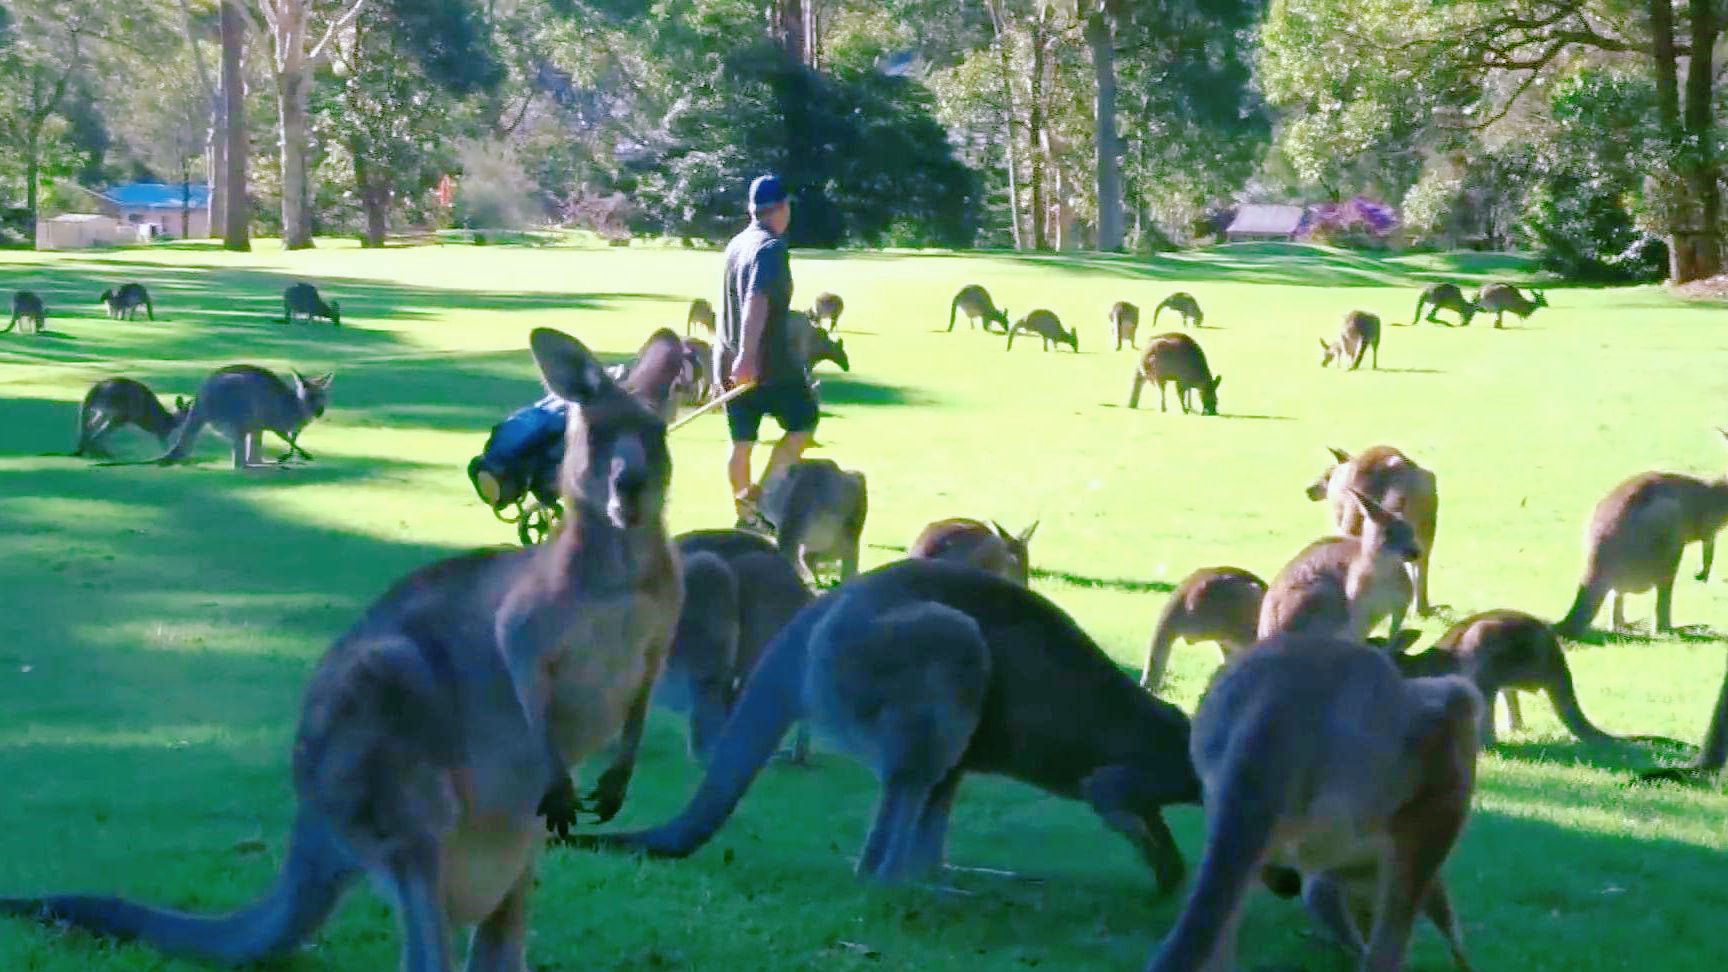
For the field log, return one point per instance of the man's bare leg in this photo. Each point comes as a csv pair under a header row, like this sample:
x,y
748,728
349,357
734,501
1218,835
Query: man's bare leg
x,y
738,471
786,452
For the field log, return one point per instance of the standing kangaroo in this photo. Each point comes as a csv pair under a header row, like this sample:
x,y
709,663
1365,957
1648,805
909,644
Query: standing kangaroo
x,y
1498,298
818,512
1046,325
1182,303
1390,478
1175,357
1327,774
1220,604
302,300
974,301
1124,322
27,306
1345,586
817,345
1634,540
701,313
696,383
243,402
987,547
1361,333
827,311
114,402
124,303
1444,296
438,729
927,671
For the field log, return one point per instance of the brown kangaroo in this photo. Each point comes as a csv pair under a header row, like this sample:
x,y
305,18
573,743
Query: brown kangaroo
x,y
1124,322
1047,326
439,728
1184,304
974,301
1175,357
701,313
1498,298
1220,604
27,307
827,310
696,384
302,300
1634,540
818,512
1444,296
1345,585
1328,775
987,547
124,302
1360,334
1391,479
115,402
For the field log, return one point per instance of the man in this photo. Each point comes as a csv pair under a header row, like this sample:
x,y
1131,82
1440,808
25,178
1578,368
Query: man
x,y
756,346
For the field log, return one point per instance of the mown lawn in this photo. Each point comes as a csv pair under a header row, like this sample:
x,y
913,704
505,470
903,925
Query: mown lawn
x,y
158,624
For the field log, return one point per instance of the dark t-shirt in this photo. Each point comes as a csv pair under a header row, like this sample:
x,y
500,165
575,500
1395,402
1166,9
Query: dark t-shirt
x,y
757,262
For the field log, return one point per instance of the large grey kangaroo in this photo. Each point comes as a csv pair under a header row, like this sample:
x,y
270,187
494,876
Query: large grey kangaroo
x,y
927,671
124,303
817,510
1444,296
1220,604
1345,586
1359,335
1124,322
1397,483
1634,540
437,731
988,547
701,313
1182,303
27,306
243,402
1498,298
114,402
816,345
1328,775
301,300
826,311
974,301
1176,357
1047,326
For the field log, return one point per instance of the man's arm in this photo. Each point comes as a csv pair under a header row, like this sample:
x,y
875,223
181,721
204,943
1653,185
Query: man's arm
x,y
747,367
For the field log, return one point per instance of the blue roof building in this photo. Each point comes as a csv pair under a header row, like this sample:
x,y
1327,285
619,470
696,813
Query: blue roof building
x,y
159,204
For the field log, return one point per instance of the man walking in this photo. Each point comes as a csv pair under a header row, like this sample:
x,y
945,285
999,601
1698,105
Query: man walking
x,y
756,346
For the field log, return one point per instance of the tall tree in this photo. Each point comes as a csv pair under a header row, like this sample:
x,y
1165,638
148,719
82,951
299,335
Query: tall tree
x,y
193,26
42,48
236,209
1100,18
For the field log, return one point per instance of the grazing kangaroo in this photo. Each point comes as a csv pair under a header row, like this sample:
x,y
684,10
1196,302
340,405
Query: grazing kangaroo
x,y
738,594
1361,332
987,547
827,311
1328,775
817,510
124,303
1444,296
1634,540
817,345
27,307
1046,325
1345,586
243,402
1182,303
1498,298
1390,478
974,301
701,313
1175,357
441,726
1124,322
114,402
1220,604
302,300
927,671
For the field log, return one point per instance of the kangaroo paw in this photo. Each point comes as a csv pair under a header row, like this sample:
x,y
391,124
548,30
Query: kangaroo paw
x,y
607,797
560,806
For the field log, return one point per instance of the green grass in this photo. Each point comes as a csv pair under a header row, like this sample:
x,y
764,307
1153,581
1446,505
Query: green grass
x,y
159,623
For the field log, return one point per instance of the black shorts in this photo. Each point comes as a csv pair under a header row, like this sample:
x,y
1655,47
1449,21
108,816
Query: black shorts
x,y
792,404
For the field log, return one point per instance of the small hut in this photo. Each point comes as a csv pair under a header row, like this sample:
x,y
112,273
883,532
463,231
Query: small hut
x,y
1258,221
77,231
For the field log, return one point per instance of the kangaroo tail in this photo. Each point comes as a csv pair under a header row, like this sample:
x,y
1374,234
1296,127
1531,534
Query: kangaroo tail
x,y
149,308
1163,640
316,874
1159,310
1584,608
1420,300
185,436
1565,699
953,310
10,326
83,447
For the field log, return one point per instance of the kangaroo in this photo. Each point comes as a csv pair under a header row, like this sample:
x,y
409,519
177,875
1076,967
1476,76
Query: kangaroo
x,y
975,302
927,671
243,402
1444,296
1045,324
1498,298
701,312
1124,322
124,303
1634,540
1220,604
818,511
1175,357
1345,585
1182,303
827,310
114,402
1361,332
987,547
302,300
441,726
696,383
738,594
27,307
1391,479
1330,776
817,345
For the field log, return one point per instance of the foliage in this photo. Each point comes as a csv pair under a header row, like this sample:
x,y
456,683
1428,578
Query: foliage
x,y
494,192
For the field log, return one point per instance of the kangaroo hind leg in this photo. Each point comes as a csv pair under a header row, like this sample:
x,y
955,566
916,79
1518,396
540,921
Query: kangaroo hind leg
x,y
501,941
1129,802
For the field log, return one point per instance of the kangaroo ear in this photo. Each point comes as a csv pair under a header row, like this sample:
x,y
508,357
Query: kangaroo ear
x,y
1374,511
1026,534
657,367
1323,345
325,380
1001,531
181,404
1216,381
1402,640
568,369
1338,454
1722,431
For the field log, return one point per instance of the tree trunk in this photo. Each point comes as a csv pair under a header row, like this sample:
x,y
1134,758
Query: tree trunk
x,y
1102,38
1035,139
374,193
1696,252
791,28
1010,137
236,214
32,175
291,93
185,199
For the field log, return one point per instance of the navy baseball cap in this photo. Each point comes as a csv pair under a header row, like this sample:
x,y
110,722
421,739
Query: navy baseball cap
x,y
767,190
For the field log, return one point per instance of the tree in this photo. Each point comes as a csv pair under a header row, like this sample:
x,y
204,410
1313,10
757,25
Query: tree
x,y
1100,18
42,50
236,208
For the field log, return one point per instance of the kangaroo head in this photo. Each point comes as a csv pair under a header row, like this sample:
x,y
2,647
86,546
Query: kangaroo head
x,y
182,407
1384,533
840,358
1399,642
1209,395
335,309
1538,299
314,393
1328,352
1019,548
107,297
1319,488
1072,336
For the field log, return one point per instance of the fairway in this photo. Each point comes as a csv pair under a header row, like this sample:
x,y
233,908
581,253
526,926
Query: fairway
x,y
159,623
